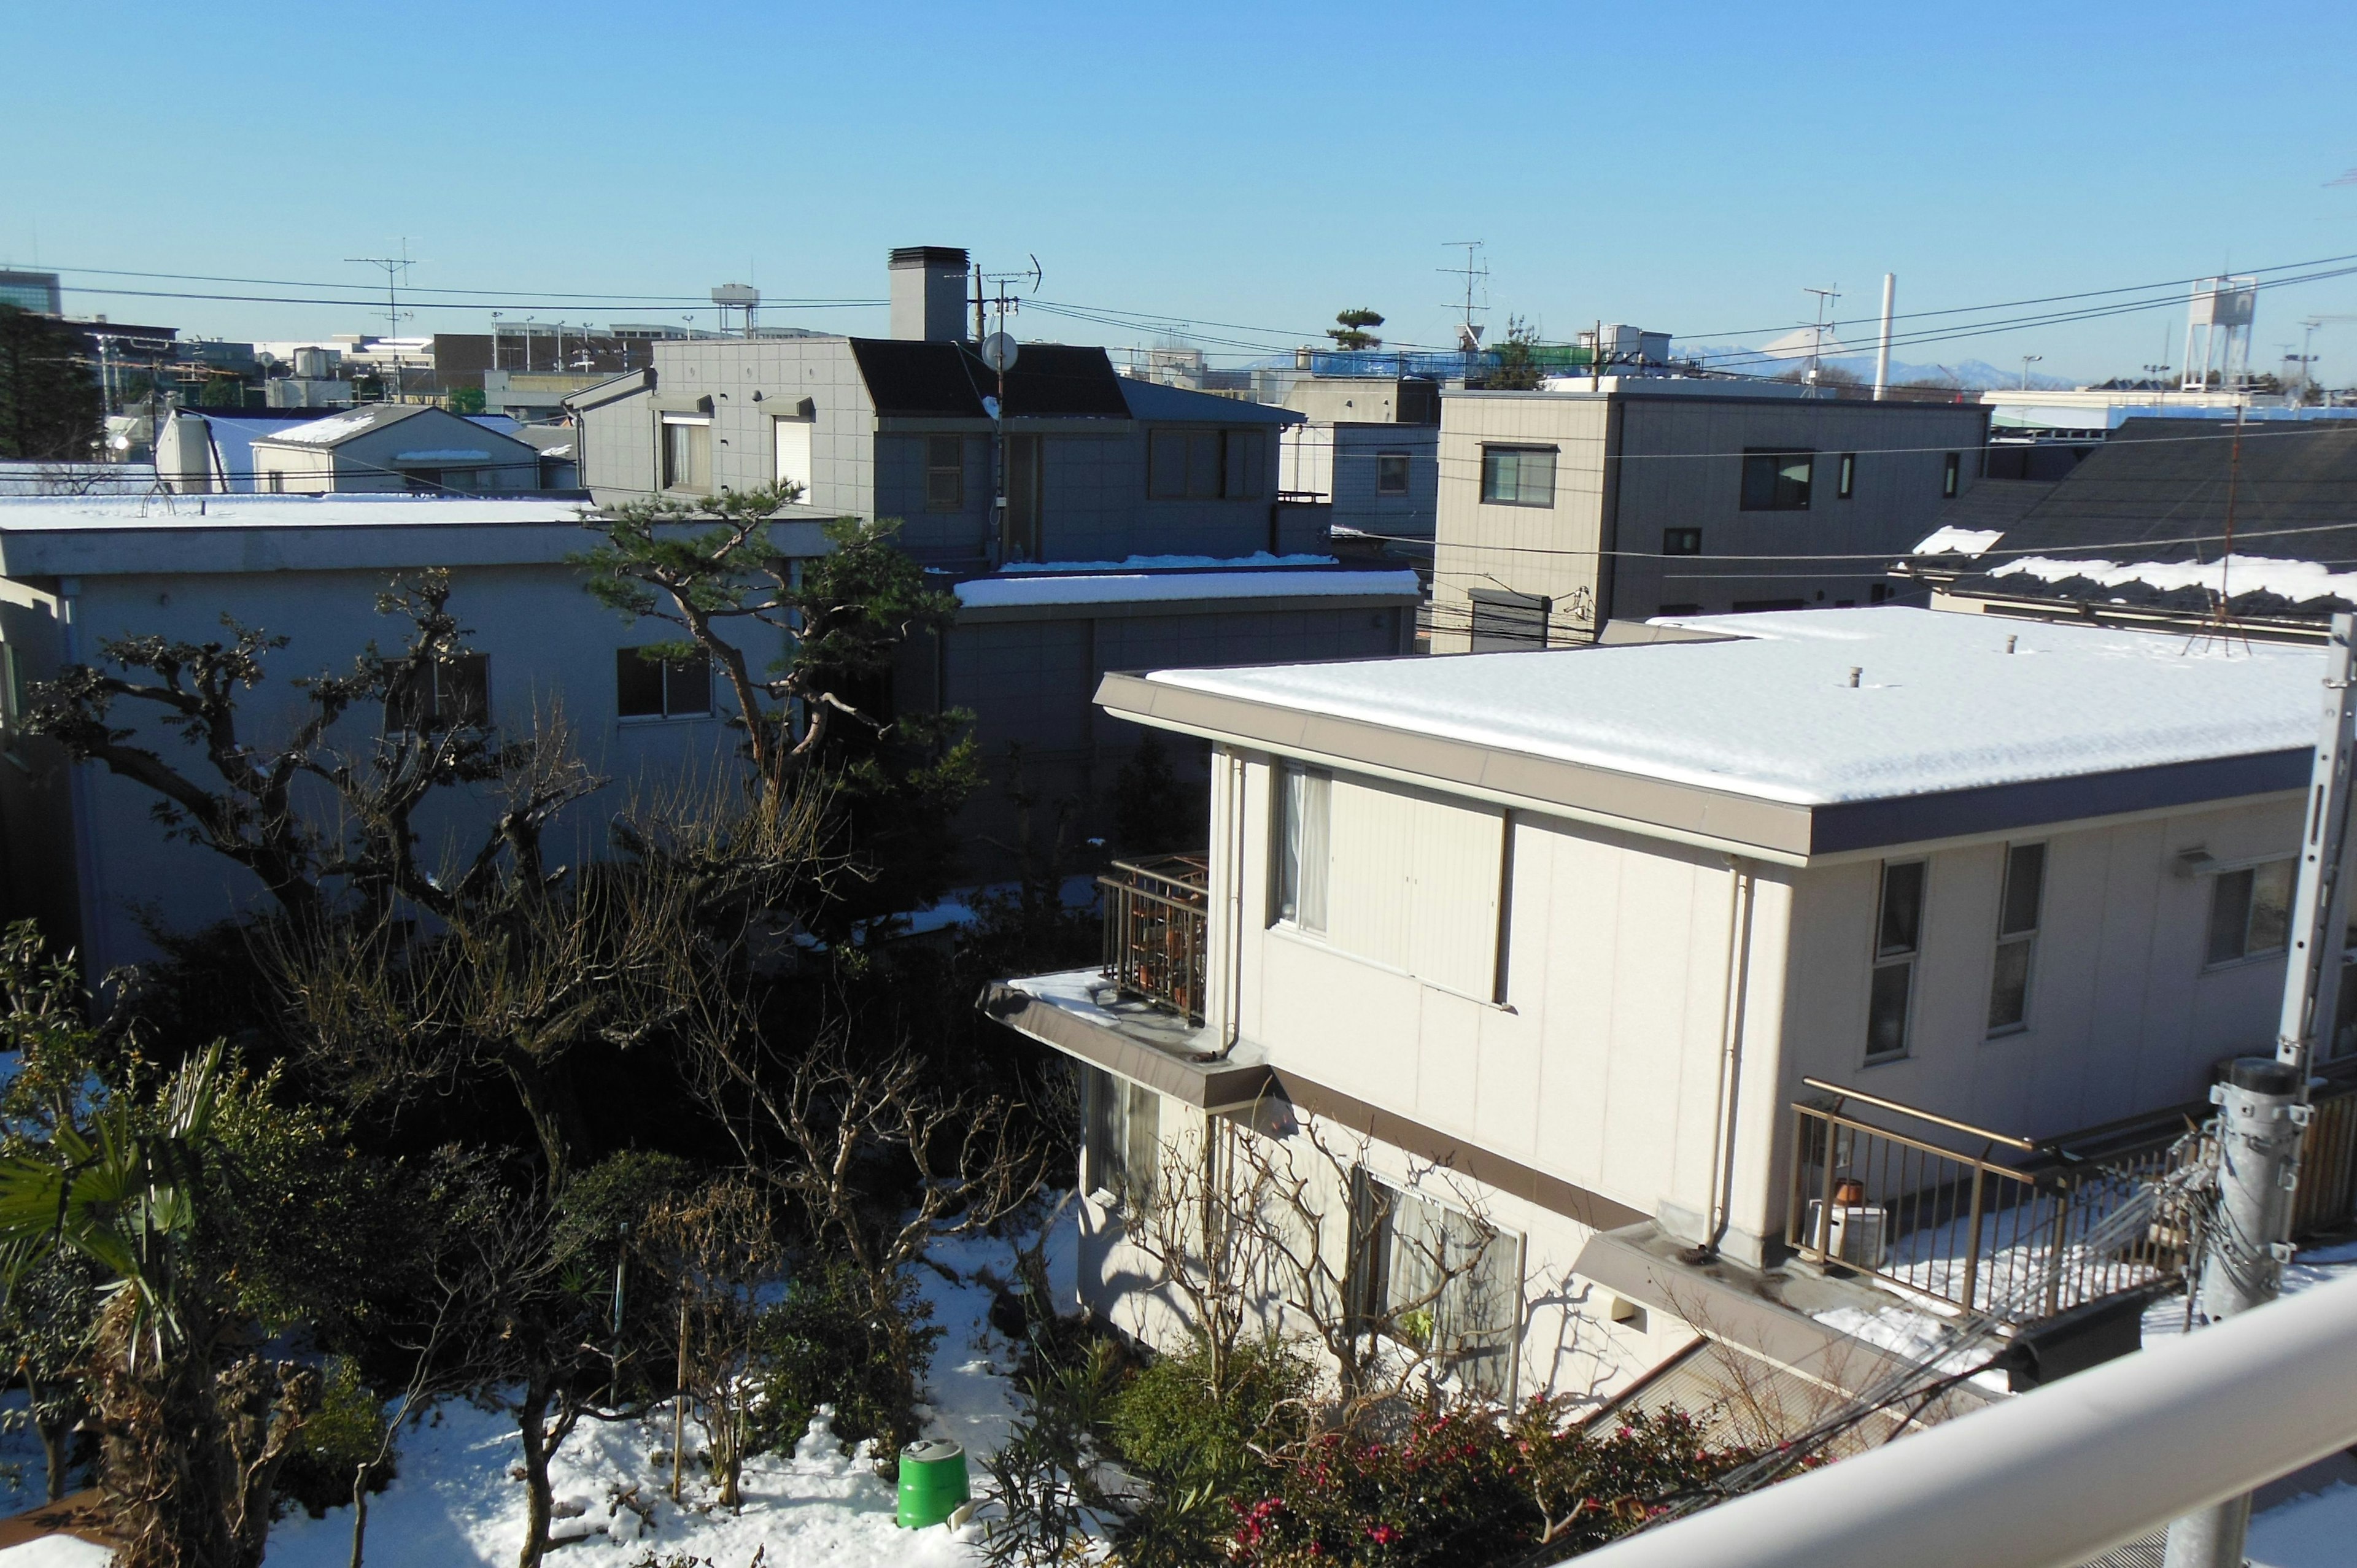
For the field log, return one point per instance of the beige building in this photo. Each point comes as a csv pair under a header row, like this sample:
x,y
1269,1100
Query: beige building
x,y
1561,510
1659,974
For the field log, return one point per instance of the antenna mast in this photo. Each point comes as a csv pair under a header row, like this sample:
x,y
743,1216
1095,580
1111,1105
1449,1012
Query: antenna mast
x,y
394,267
1825,297
1476,273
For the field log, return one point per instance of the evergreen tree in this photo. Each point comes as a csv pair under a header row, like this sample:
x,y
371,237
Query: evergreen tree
x,y
50,405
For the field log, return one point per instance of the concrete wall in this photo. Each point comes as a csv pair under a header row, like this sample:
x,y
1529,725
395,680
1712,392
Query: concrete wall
x,y
1676,462
1359,504
550,648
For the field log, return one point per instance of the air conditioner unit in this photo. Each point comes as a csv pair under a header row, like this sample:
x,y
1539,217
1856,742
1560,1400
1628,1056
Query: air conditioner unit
x,y
1857,1234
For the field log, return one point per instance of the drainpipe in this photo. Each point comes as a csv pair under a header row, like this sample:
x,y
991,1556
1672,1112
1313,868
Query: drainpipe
x,y
1741,890
1232,1026
78,794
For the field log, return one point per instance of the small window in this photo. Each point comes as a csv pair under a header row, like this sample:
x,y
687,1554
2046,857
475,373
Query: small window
x,y
277,477
1898,937
456,693
2017,936
1679,610
2250,912
1952,475
1441,1282
944,473
1682,541
1390,473
1777,481
687,454
1304,840
1121,1138
1876,592
1244,465
1847,487
1518,476
648,687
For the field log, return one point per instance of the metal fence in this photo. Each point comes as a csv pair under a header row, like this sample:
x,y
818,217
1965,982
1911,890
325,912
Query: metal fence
x,y
2001,1226
1156,914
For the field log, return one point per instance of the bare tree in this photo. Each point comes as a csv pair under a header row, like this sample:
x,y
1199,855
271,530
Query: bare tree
x,y
720,1245
240,800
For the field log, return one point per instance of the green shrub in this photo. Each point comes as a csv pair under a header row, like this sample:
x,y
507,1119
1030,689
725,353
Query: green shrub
x,y
821,1346
1172,1428
340,1436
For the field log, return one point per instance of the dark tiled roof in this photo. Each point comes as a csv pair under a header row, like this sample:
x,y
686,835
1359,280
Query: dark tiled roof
x,y
949,380
2156,491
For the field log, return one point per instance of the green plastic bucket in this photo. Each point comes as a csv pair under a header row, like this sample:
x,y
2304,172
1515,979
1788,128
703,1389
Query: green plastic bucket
x,y
932,1483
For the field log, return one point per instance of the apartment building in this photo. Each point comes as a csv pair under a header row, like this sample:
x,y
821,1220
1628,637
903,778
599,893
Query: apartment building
x,y
1632,496
1676,970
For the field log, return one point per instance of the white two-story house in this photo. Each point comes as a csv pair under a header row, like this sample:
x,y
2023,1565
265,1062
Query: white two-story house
x,y
1665,963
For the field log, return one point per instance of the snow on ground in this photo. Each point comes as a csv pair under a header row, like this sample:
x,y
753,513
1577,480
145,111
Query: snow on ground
x,y
56,1552
454,1502
2307,1533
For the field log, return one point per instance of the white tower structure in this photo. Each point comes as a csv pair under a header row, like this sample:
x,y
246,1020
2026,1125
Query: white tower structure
x,y
2218,333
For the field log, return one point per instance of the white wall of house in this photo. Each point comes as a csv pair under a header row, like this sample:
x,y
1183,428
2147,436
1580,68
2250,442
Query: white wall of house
x,y
1599,1058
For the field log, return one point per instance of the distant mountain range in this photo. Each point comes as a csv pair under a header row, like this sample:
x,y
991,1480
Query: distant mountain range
x,y
1791,351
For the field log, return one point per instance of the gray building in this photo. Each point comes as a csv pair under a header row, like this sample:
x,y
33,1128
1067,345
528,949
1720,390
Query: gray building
x,y
1137,525
1653,495
394,447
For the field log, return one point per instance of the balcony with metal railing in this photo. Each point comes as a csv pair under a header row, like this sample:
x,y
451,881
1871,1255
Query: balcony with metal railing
x,y
2017,1229
1156,919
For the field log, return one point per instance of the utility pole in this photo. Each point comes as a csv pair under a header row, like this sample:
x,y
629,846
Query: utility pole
x,y
2263,1105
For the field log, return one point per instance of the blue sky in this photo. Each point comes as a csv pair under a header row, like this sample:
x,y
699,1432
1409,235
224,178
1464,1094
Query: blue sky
x,y
1688,168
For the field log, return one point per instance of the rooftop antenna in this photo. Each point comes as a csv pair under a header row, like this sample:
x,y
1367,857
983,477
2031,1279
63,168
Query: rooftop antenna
x,y
394,267
1476,273
1825,297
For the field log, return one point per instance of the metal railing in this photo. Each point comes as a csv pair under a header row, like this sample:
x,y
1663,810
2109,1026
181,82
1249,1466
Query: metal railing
x,y
2005,1227
1157,920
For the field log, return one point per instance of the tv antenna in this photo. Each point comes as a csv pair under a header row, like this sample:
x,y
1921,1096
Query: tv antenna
x,y
1476,273
1825,297
394,266
1003,302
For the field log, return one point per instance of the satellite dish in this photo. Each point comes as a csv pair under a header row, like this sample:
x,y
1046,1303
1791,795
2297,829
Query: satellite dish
x,y
999,351
990,406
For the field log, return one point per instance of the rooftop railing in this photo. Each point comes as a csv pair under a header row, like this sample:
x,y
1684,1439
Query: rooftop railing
x,y
1156,919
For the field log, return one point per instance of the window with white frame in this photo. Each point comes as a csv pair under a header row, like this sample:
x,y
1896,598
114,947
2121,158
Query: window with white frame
x,y
1518,476
686,454
1390,473
2017,937
1121,1137
1897,941
1304,838
2250,912
1441,1280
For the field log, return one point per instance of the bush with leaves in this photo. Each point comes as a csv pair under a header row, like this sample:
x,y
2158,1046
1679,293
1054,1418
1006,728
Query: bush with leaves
x,y
343,1437
1463,1486
1173,1430
824,1345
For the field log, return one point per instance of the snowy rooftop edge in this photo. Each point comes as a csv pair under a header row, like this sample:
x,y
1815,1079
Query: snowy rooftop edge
x,y
246,509
1145,587
1769,712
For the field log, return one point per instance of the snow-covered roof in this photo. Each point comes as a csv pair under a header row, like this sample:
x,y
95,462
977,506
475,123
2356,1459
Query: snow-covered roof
x,y
343,424
30,513
2298,582
1940,704
1166,588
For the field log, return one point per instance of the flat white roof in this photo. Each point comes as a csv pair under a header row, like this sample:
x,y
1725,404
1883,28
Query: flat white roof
x,y
46,513
1940,705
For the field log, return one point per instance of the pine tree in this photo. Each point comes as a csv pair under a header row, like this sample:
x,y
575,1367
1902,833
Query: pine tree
x,y
50,405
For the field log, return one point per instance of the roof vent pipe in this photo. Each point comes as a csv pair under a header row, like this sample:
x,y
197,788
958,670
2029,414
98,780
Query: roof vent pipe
x,y
1855,671
929,293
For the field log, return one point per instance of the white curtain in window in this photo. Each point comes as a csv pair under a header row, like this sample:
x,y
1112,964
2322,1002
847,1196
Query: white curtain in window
x,y
1307,840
